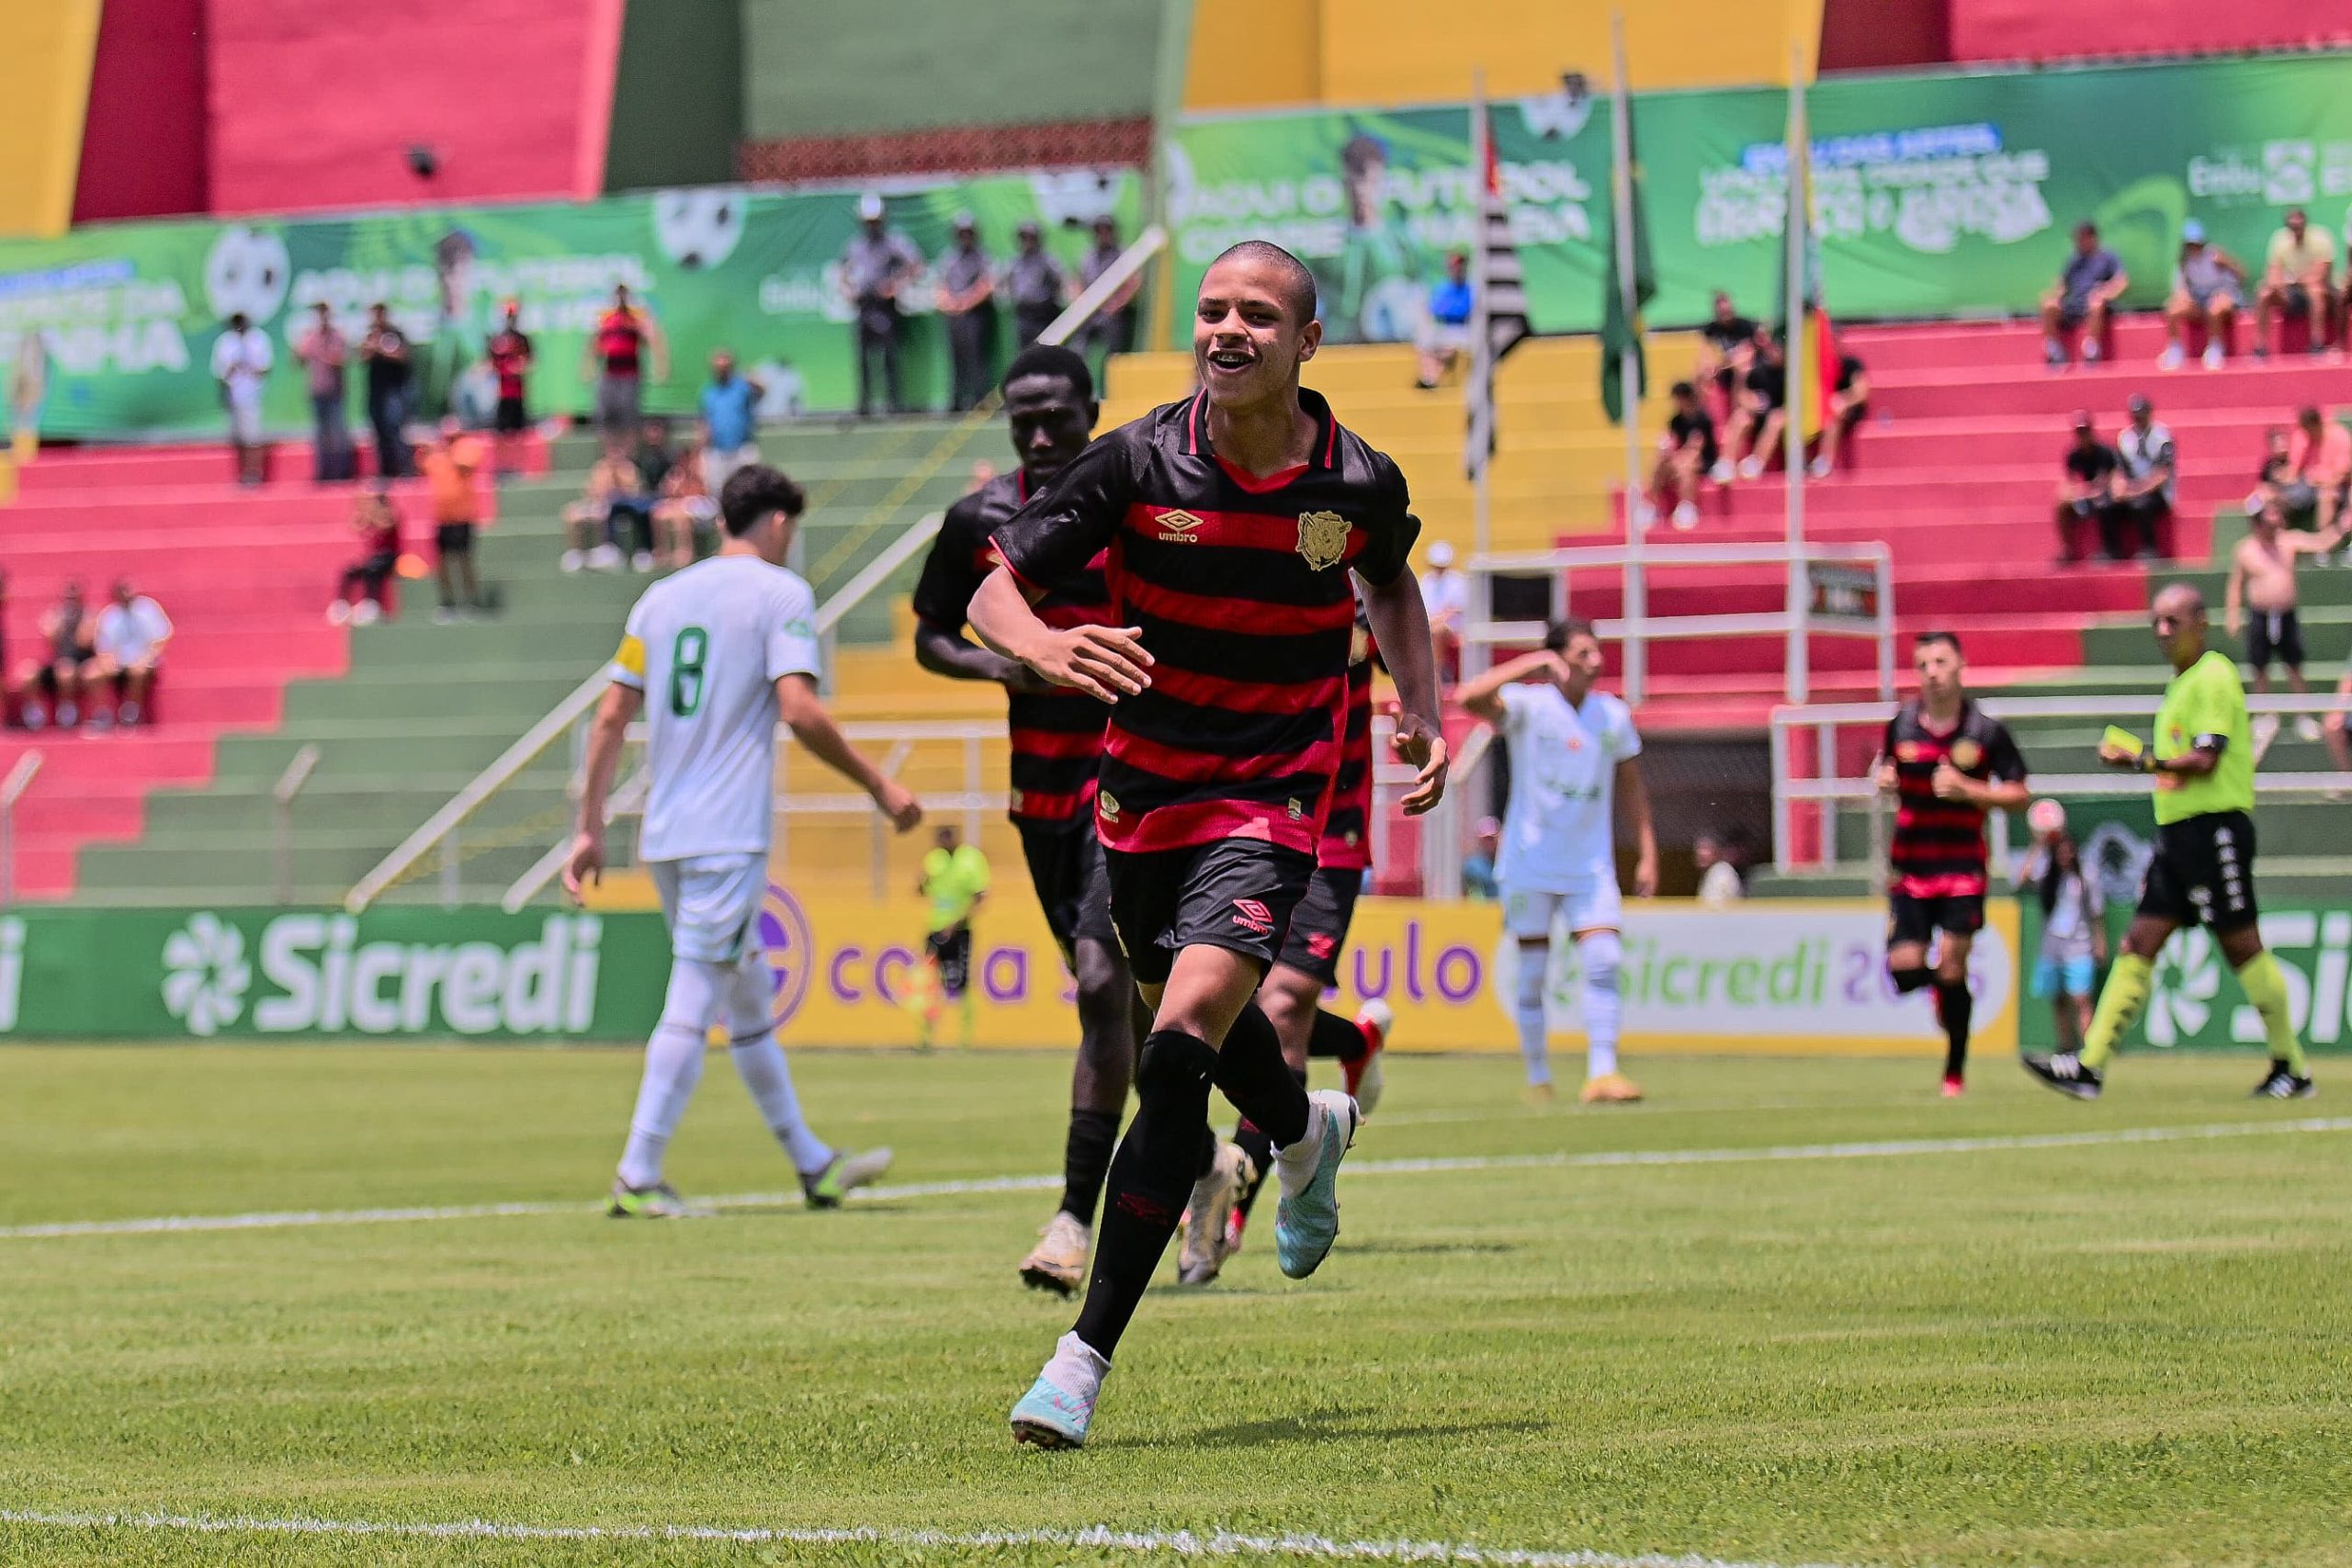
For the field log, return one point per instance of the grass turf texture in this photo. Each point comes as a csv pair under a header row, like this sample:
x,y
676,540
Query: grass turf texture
x,y
2114,1354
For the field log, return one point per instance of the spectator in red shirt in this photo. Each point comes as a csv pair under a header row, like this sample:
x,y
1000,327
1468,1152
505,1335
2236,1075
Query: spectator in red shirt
x,y
509,352
378,527
324,352
627,344
2319,458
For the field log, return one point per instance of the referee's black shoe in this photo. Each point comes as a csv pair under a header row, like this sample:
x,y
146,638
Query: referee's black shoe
x,y
2066,1073
2282,1084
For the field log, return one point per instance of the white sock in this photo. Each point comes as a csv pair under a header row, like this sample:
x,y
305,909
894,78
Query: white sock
x,y
759,1061
672,1066
1294,1163
1534,1029
1076,1367
1599,955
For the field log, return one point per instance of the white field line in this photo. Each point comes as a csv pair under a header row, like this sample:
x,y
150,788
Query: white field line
x,y
1895,1148
1167,1543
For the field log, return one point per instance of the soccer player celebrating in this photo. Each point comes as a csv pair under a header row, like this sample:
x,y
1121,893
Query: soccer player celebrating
x,y
723,649
1232,520
1946,764
1572,748
2202,762
1057,745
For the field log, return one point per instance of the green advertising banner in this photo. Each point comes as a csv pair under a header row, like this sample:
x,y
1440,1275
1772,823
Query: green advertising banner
x,y
109,331
1934,195
309,974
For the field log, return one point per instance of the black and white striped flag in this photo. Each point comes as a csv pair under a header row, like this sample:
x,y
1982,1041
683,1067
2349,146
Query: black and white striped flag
x,y
1498,313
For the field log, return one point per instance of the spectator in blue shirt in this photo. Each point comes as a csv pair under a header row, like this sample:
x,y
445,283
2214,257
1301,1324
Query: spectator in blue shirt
x,y
1445,334
730,422
2088,288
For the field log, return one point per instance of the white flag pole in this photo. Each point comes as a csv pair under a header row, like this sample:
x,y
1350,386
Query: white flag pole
x,y
1481,349
1798,679
1636,649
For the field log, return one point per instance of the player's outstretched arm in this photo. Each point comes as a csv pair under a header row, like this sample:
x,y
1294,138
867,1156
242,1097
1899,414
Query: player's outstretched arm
x,y
1636,796
800,708
1401,629
1483,698
615,713
1108,663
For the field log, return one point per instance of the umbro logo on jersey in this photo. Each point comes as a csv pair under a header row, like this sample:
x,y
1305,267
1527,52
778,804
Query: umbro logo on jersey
x,y
1252,916
1176,527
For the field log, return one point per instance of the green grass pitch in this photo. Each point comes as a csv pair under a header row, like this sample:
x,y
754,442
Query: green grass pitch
x,y
1943,1351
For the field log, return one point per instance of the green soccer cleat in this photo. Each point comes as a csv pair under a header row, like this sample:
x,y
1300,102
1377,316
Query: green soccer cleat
x,y
659,1202
843,1176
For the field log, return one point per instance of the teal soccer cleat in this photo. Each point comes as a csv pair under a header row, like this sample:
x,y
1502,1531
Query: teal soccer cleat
x,y
1307,1222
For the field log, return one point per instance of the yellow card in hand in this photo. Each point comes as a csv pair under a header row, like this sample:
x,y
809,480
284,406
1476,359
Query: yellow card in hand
x,y
2122,740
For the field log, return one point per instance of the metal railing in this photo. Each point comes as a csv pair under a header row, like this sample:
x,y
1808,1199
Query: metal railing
x,y
1872,616
1812,803
281,821
12,789
1445,831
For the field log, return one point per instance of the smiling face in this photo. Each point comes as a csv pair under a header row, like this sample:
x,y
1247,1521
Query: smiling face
x,y
1249,332
1051,423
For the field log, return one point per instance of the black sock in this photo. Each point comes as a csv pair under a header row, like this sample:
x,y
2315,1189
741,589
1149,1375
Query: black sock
x,y
1955,1007
1208,1150
1916,979
1251,1072
1150,1178
1335,1037
1086,1160
1261,1150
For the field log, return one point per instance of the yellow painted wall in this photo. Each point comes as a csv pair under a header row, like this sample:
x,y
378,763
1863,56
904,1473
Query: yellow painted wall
x,y
46,48
1254,52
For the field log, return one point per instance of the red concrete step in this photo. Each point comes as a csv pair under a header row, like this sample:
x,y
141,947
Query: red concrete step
x,y
2139,338
2282,385
165,755
71,467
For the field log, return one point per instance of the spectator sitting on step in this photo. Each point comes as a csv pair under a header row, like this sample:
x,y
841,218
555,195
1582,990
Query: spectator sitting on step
x,y
685,514
1686,452
2319,469
1758,423
1445,327
1720,883
1727,348
2208,290
2088,288
2144,484
2298,282
633,514
1850,404
58,673
2084,493
133,633
2271,481
589,521
450,464
378,523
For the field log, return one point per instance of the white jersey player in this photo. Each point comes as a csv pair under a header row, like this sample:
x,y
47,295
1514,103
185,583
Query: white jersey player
x,y
714,656
1573,751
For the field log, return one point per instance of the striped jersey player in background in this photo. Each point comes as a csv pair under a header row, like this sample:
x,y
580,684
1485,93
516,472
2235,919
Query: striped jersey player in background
x,y
1947,762
713,656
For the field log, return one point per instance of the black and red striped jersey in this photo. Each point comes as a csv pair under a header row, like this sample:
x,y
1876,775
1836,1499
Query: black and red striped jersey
x,y
1938,847
1347,842
1056,736
1242,588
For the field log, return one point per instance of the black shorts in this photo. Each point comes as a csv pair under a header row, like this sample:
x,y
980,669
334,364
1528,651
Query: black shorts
x,y
1913,919
1073,883
1237,893
453,538
1318,927
2274,638
510,419
952,951
2203,872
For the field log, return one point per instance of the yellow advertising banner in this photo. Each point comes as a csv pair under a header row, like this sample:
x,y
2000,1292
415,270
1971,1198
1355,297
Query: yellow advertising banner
x,y
1778,975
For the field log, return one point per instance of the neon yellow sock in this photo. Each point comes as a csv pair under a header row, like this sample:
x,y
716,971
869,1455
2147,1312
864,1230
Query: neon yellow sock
x,y
2120,1001
2265,987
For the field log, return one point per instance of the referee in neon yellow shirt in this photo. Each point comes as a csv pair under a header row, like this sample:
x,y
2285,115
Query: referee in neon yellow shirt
x,y
954,879
2202,762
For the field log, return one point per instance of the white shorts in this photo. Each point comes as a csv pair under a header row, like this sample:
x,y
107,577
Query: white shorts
x,y
712,904
244,413
1529,915
719,466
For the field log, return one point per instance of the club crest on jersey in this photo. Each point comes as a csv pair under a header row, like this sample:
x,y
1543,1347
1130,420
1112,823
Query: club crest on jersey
x,y
1298,812
1909,751
1966,753
1322,538
1108,804
1176,527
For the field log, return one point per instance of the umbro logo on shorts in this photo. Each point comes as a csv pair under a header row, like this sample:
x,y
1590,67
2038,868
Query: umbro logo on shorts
x,y
1252,916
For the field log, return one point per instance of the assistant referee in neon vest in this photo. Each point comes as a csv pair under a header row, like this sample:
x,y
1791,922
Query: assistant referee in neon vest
x,y
2202,761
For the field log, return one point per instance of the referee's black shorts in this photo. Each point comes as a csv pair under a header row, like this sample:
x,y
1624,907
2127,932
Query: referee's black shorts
x,y
2203,872
1238,894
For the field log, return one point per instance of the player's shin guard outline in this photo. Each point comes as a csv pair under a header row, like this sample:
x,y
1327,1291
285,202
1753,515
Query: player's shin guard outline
x,y
2120,1001
1599,954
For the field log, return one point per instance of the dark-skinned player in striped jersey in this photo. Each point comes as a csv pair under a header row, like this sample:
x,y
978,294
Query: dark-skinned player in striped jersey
x,y
1947,762
1233,522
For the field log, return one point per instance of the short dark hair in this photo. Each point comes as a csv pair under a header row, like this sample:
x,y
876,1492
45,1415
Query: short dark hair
x,y
754,490
1682,389
1560,633
1053,359
1929,640
2085,227
1299,281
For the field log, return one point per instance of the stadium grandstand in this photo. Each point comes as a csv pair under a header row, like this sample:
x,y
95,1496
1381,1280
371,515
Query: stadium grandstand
x,y
367,368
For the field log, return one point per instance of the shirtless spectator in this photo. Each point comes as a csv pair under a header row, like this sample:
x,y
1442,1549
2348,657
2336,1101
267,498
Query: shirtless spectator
x,y
589,521
2088,288
57,672
133,633
1727,348
2298,282
1686,452
2208,289
377,525
2262,599
685,512
2319,469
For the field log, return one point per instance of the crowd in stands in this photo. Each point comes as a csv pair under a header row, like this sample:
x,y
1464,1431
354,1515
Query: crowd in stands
x,y
2206,297
2121,491
92,672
